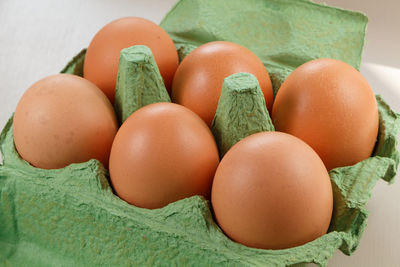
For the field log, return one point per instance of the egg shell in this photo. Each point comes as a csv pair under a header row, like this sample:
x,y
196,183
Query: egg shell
x,y
272,191
184,232
329,105
73,193
101,62
82,203
63,119
162,153
198,80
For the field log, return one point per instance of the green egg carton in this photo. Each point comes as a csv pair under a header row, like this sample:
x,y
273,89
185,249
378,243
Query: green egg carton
x,y
71,217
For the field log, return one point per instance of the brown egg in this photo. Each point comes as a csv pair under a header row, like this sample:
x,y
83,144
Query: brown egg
x,y
162,153
272,191
329,105
198,80
63,119
102,56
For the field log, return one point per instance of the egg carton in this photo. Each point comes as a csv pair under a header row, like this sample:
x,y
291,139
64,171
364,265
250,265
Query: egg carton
x,y
71,216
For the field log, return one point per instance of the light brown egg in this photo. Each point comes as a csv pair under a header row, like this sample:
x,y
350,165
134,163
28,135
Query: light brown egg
x,y
329,105
272,191
102,56
63,119
162,153
198,80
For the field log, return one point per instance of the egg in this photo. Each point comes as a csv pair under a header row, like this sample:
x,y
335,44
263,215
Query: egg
x,y
102,56
329,105
198,80
162,153
63,119
272,191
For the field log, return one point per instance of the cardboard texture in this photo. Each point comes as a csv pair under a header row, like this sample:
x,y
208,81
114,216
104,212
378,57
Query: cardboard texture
x,y
70,216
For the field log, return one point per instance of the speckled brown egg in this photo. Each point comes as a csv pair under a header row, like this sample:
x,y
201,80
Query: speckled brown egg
x,y
63,119
198,80
102,56
162,153
272,191
329,105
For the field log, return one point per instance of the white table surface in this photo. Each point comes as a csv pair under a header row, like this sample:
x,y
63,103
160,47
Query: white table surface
x,y
37,38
